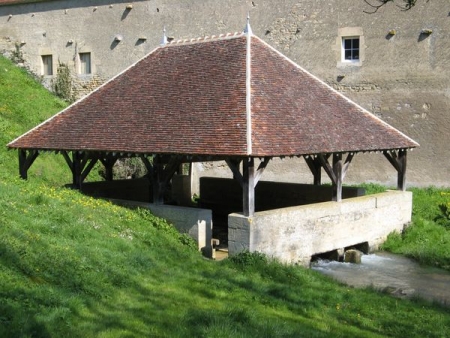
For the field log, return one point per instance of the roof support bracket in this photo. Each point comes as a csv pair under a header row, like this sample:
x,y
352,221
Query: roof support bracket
x,y
161,176
315,165
67,158
108,162
80,165
87,169
248,179
234,165
398,161
260,169
336,172
26,161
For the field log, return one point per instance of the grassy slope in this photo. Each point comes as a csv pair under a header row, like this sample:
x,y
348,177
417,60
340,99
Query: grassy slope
x,y
75,266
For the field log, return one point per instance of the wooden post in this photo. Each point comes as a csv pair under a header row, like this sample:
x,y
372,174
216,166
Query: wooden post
x,y
157,181
76,170
25,161
315,166
150,174
23,170
336,172
337,183
108,163
248,187
401,176
398,161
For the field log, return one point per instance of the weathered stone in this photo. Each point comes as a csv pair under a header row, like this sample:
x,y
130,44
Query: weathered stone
x,y
353,256
295,234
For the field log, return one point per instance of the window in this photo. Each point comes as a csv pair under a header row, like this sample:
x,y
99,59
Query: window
x,y
47,65
85,63
350,49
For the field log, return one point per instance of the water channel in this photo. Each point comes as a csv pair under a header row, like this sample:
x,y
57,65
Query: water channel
x,y
395,274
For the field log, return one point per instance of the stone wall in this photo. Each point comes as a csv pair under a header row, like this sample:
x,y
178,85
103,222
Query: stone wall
x,y
294,234
403,78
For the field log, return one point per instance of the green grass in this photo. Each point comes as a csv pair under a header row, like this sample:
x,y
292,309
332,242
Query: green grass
x,y
428,238
73,266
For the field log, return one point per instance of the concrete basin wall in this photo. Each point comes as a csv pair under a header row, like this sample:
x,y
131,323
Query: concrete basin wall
x,y
294,234
193,221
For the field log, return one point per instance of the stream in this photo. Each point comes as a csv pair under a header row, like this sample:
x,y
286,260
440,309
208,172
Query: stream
x,y
395,274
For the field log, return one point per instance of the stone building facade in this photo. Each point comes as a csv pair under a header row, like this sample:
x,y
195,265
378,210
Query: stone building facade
x,y
393,63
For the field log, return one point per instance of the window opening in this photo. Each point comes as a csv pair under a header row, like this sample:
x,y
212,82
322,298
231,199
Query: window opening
x,y
350,49
85,63
47,65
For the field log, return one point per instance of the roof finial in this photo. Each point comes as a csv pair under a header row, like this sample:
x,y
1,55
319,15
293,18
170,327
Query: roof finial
x,y
248,29
164,39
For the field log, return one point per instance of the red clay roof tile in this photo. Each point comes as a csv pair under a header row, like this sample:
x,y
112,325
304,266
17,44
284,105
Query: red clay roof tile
x,y
190,98
18,2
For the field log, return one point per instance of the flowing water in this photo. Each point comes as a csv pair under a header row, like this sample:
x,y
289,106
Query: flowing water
x,y
395,274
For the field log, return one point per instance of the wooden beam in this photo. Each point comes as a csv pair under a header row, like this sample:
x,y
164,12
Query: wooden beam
x,y
108,162
150,173
326,166
398,161
248,187
26,161
67,158
234,165
88,168
158,196
346,165
170,169
147,164
76,169
338,174
401,178
315,166
262,166
162,174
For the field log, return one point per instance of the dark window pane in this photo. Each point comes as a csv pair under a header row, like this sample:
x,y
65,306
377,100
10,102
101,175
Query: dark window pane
x,y
355,43
347,44
348,54
356,55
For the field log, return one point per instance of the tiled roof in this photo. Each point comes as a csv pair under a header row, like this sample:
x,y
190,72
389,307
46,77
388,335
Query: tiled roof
x,y
17,2
200,97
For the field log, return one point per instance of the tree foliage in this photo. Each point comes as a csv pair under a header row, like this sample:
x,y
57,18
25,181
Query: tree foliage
x,y
402,4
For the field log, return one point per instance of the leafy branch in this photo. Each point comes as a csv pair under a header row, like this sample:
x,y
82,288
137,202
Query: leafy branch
x,y
377,4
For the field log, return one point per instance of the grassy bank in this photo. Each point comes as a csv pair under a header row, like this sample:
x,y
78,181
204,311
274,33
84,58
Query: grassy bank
x,y
74,266
428,239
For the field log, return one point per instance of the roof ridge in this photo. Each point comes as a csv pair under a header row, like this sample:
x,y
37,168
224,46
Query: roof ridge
x,y
206,38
